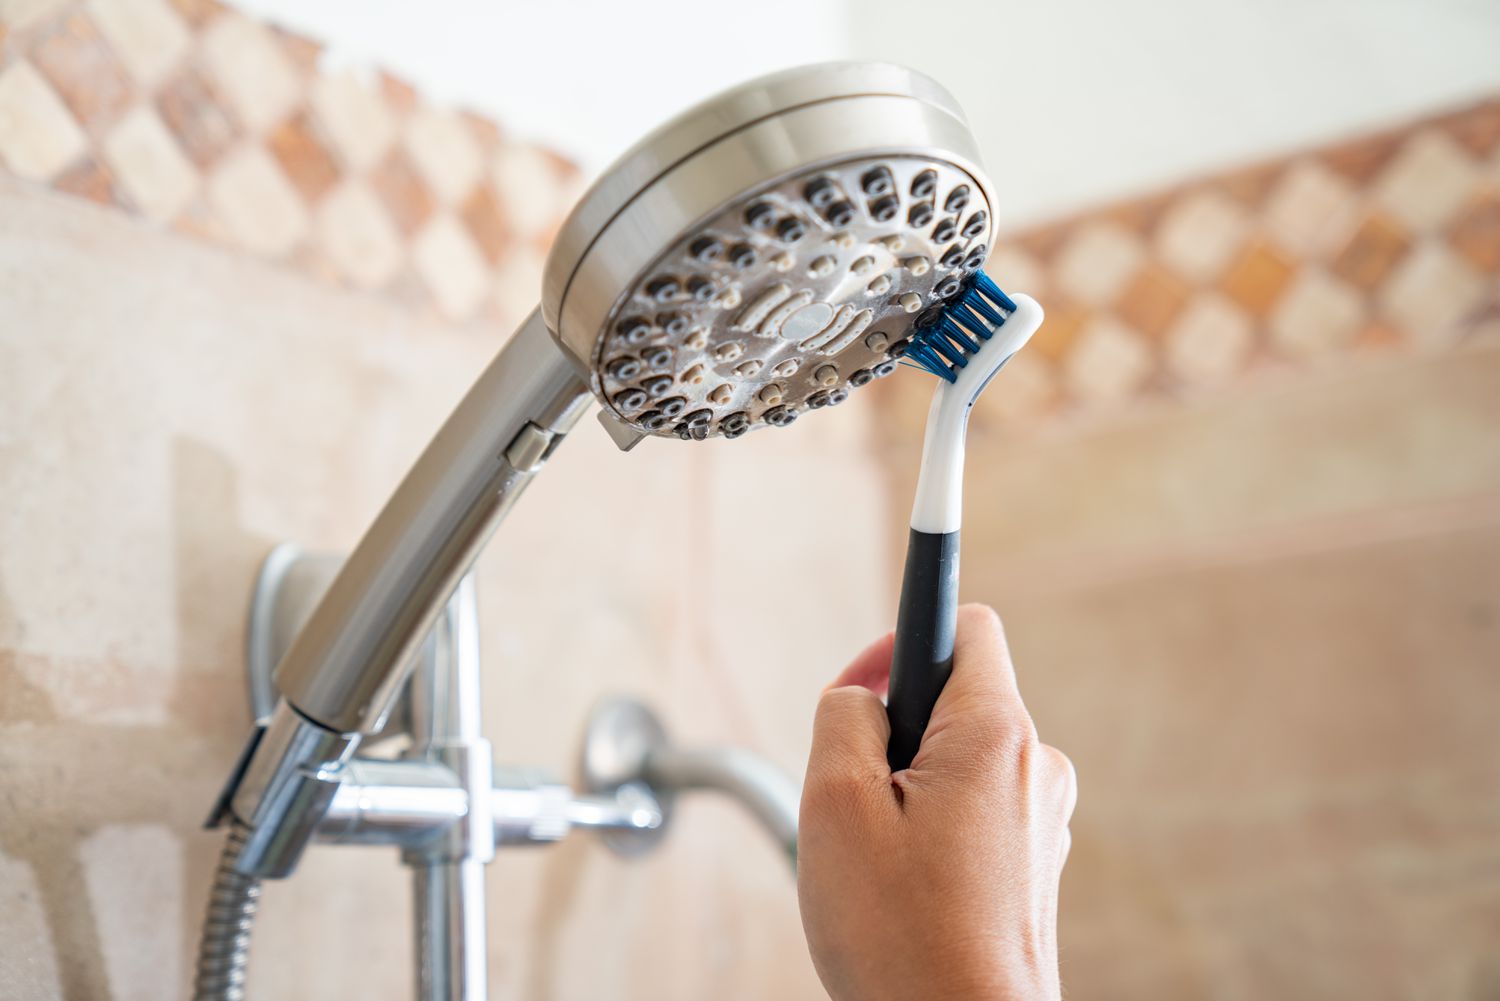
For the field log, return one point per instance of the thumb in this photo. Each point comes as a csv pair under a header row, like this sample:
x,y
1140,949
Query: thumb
x,y
850,732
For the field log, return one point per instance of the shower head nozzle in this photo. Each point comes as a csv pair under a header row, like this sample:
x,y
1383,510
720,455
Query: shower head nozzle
x,y
769,250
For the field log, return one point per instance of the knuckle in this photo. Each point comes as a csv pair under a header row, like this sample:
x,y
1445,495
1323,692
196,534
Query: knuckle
x,y
1002,738
835,789
1062,777
841,704
838,698
980,619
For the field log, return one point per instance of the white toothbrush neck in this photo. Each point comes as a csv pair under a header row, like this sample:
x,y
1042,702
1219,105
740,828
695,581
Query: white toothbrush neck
x,y
938,508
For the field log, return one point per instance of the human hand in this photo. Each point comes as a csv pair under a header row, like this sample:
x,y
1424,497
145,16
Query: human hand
x,y
938,882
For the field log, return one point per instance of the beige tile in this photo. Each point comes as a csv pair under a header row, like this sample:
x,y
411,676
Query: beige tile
x,y
1200,234
1432,291
1210,340
357,235
149,165
1026,389
1335,447
1334,859
17,15
1014,270
148,35
1258,277
445,153
84,71
1108,363
1097,261
529,190
1428,181
518,284
487,223
1317,315
452,266
256,201
28,964
401,188
1311,211
301,154
355,118
38,136
257,78
196,116
226,404
134,878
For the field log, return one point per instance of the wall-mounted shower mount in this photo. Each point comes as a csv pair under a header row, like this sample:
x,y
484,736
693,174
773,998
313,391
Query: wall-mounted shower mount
x,y
446,808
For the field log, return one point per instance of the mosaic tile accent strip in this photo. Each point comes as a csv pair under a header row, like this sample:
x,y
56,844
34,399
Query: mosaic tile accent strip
x,y
1386,243
197,118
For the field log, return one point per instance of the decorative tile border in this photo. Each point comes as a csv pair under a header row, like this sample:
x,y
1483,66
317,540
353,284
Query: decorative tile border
x,y
1386,243
197,118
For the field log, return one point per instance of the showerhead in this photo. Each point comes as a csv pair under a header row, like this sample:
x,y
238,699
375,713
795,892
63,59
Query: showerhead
x,y
769,250
761,255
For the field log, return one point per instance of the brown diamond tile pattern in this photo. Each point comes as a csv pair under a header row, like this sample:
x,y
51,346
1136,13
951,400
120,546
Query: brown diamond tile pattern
x,y
195,115
1366,261
304,157
1384,243
401,189
1257,277
1477,233
192,115
88,179
84,71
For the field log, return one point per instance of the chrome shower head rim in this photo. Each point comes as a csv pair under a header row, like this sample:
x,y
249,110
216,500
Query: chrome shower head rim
x,y
769,135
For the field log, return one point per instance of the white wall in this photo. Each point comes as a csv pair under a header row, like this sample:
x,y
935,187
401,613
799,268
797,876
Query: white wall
x,y
1079,101
1075,101
587,76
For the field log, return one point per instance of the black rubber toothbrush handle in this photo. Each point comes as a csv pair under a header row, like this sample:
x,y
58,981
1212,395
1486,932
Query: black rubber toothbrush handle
x,y
925,624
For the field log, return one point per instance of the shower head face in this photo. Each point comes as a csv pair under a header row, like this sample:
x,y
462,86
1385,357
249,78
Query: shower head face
x,y
769,251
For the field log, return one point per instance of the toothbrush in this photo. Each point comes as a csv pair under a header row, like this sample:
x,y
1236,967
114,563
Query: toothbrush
x,y
965,347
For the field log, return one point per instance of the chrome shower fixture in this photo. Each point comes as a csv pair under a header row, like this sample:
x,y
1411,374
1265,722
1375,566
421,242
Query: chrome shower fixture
x,y
757,257
770,250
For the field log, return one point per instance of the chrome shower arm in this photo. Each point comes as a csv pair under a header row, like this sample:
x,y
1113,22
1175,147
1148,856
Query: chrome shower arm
x,y
626,746
345,666
770,795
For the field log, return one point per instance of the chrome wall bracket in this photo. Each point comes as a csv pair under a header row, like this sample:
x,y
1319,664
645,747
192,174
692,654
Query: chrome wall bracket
x,y
440,800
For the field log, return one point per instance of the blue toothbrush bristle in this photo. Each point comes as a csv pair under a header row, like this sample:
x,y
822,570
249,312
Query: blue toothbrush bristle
x,y
942,346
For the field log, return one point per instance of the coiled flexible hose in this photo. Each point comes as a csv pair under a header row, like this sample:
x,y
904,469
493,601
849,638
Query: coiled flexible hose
x,y
224,948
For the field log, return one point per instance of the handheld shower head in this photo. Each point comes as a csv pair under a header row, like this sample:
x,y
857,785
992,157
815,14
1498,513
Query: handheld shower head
x,y
768,250
758,256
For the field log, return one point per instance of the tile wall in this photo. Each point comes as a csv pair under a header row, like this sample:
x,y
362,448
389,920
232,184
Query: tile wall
x,y
200,120
1262,407
239,293
1383,244
1239,506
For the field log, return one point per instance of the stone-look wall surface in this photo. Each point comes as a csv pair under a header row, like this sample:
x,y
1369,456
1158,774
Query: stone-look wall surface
x,y
168,412
1267,630
1239,506
239,294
